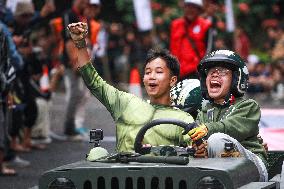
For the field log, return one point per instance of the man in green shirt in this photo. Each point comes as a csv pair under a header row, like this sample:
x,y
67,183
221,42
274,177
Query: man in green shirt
x,y
129,112
228,117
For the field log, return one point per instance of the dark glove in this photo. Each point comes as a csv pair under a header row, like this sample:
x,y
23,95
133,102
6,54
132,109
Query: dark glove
x,y
200,150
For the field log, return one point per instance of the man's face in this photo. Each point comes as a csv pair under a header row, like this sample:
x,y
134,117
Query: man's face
x,y
81,4
191,11
218,83
158,81
92,11
211,7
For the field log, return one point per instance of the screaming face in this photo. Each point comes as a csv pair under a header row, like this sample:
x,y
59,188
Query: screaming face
x,y
218,83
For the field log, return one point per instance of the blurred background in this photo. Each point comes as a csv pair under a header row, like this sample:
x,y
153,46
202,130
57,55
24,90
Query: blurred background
x,y
252,28
47,108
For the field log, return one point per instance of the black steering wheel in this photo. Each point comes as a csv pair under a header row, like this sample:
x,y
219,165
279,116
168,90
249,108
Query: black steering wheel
x,y
139,148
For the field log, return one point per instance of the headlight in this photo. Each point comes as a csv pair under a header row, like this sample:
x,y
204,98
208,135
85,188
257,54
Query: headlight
x,y
209,182
61,183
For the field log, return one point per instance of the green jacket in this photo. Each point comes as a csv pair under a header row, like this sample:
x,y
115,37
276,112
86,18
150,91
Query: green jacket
x,y
131,113
239,121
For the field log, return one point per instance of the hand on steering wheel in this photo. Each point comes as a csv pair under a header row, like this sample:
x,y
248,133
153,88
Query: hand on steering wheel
x,y
139,148
198,132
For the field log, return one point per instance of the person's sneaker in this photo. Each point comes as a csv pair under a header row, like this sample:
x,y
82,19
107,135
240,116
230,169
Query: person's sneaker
x,y
77,138
57,137
82,130
17,162
46,140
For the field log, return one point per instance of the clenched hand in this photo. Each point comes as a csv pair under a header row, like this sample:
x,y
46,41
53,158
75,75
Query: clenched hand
x,y
78,32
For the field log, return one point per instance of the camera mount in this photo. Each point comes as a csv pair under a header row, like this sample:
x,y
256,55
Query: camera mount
x,y
96,135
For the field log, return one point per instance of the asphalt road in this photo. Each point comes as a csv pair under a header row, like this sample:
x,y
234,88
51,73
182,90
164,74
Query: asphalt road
x,y
63,152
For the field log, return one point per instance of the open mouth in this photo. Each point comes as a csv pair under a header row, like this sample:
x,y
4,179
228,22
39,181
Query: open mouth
x,y
215,85
152,85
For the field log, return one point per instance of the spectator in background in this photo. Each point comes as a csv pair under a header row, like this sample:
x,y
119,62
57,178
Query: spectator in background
x,y
16,66
76,93
274,46
91,12
241,43
259,78
6,15
4,70
211,8
114,49
43,43
23,16
146,40
265,79
99,52
219,43
27,89
277,52
188,38
26,18
132,48
277,88
98,37
271,39
75,90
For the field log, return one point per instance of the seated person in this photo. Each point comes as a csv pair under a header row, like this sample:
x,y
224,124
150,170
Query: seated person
x,y
129,112
228,117
260,79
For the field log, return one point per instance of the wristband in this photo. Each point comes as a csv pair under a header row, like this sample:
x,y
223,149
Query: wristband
x,y
80,44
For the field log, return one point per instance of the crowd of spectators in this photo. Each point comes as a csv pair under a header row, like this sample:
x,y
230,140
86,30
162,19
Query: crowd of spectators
x,y
37,43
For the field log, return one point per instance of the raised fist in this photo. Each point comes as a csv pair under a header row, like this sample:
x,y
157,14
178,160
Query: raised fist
x,y
78,32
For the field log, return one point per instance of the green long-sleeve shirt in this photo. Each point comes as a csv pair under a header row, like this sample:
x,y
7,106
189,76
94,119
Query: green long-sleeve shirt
x,y
239,121
131,113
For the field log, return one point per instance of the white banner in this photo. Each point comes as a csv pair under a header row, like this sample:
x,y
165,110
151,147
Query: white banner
x,y
143,14
230,22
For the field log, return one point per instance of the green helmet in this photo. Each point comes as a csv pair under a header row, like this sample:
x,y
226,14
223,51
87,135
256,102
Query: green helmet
x,y
186,95
230,60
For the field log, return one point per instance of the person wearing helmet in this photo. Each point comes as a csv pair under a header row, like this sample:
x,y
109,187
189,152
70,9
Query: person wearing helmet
x,y
186,95
189,38
228,117
131,113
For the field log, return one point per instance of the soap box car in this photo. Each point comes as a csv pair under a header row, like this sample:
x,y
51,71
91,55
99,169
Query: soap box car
x,y
173,168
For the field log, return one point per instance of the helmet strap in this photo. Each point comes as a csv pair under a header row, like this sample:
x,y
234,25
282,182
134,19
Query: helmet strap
x,y
232,100
227,99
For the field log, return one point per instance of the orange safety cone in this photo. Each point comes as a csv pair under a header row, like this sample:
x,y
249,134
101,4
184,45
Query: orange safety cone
x,y
44,80
134,83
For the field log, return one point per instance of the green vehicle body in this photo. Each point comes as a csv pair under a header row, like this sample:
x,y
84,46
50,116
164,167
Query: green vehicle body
x,y
162,172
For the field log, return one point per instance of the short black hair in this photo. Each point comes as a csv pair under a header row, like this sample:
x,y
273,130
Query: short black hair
x,y
171,61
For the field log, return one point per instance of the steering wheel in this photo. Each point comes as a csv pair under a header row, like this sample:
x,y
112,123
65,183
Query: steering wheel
x,y
139,148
